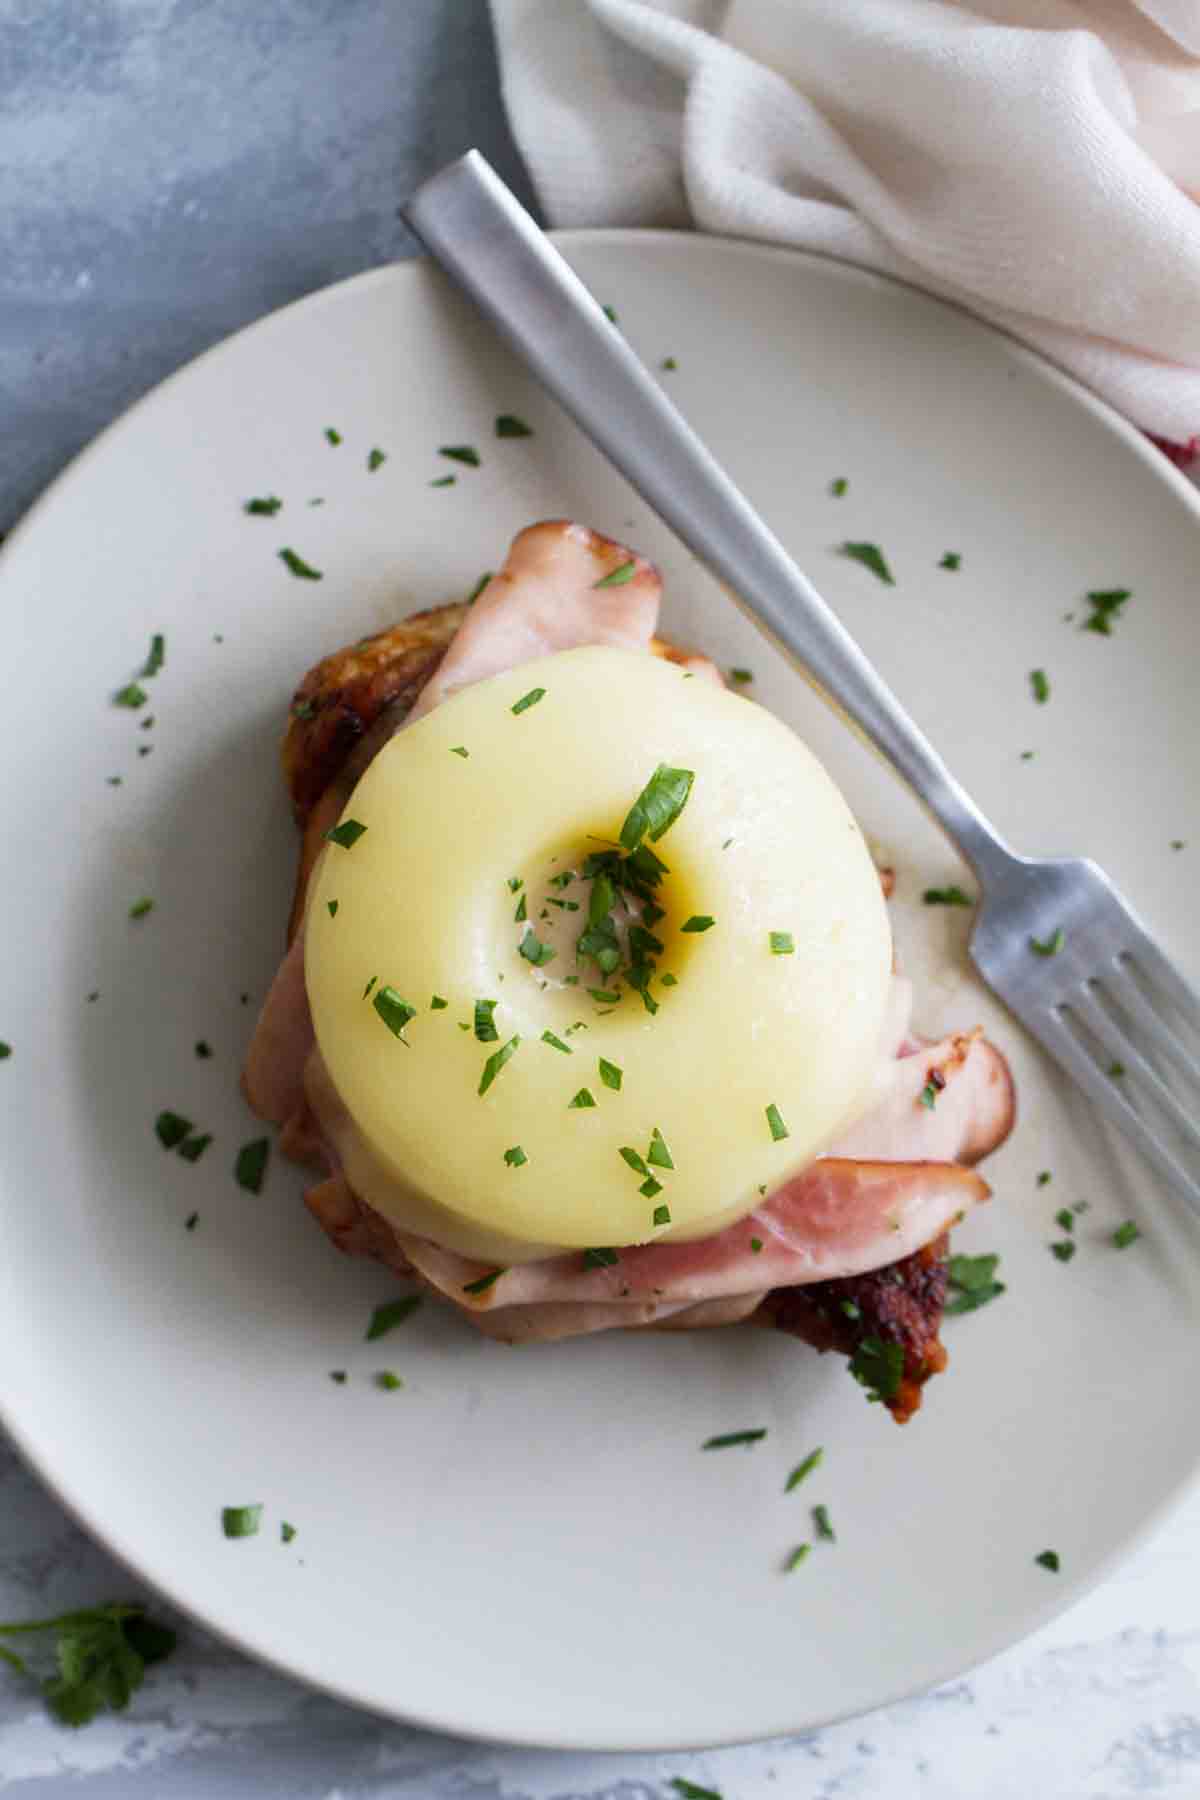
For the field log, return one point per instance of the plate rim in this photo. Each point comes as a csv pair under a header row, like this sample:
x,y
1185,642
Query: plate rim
x,y
246,1641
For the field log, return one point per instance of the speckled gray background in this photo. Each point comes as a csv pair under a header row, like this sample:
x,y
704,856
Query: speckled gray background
x,y
170,169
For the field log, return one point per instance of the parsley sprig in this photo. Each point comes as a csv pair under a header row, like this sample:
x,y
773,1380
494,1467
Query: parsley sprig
x,y
102,1653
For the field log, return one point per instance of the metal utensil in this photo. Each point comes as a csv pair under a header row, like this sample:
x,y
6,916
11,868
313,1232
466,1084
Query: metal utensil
x,y
1052,937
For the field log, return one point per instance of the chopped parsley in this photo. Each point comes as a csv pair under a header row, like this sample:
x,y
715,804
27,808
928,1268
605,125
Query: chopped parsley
x,y
947,896
823,1525
475,592
388,1380
338,1375
600,1259
1044,1178
1106,607
851,1309
509,426
775,1122
484,1282
131,695
1049,946
241,1521
871,557
528,700
156,656
1116,1070
756,1245
800,1554
687,1790
333,906
1064,1249
515,1157
929,1094
264,506
804,1469
670,980
556,1043
101,1656
496,1062
251,1165
727,1439
332,436
662,1215
838,487
347,834
459,750
286,1532
395,1011
611,1075
515,882
741,676
618,577
191,1222
534,951
460,453
658,1154
610,313
657,807
951,560
650,1187
878,1367
1048,1559
583,1099
369,986
782,943
299,567
972,1282
485,1024
171,1128
1040,685
385,1318
376,460
635,1161
698,922
444,481
193,1148
669,364
522,912
603,998
1064,1218
1126,1234
437,1003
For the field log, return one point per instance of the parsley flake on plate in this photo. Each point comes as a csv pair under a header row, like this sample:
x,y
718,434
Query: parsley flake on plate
x,y
1040,684
658,1154
528,700
332,906
444,481
376,460
1106,607
635,1161
878,1367
1048,1559
822,1525
509,426
669,364
286,1531
782,943
263,506
698,922
485,1024
600,1258
386,1317
534,951
131,696
251,1165
171,1128
193,1148
302,570
556,1043
1126,1233
395,1012
496,1062
804,1469
582,1100
742,676
611,1075
156,657
332,436
839,486
871,557
241,1521
1050,946
799,1555
388,1380
951,560
515,1157
1064,1249
662,1215
725,1440
947,896
776,1125
461,453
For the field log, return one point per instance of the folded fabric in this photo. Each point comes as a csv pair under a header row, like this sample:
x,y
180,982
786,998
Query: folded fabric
x,y
1035,160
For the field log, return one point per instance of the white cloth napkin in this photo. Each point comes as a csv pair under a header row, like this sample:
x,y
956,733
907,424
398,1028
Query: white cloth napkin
x,y
1029,158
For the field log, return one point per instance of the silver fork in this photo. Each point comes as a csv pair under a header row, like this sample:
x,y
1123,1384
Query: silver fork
x,y
1053,938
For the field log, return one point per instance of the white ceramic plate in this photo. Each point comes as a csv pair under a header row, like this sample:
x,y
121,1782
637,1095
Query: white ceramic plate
x,y
530,1545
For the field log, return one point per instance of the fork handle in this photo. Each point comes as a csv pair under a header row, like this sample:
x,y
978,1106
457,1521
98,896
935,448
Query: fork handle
x,y
478,230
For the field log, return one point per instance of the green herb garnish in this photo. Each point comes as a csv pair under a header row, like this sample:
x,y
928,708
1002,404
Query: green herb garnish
x,y
635,1161
1106,607
775,1122
1048,1559
951,560
851,1309
1051,946
698,922
1126,1234
1064,1250
241,1521
388,1380
460,453
556,1043
662,1215
741,676
821,1522
193,1148
369,986
437,1003
485,1024
804,1469
583,1099
509,426
534,951
727,1439
459,750
515,1157
299,567
658,1154
251,1165
1116,1070
657,806
782,943
611,1075
385,1318
878,1367
800,1554
871,557
333,906
1064,1218
1044,1178
972,1280
171,1128
264,507
286,1532
156,656
838,487
475,592
376,460
101,1652
191,1222
756,1245
528,700
669,364
332,436
947,896
928,1095
651,1186
395,1011
522,912
131,695
1040,685
444,481
347,834
600,1259
496,1062
687,1790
